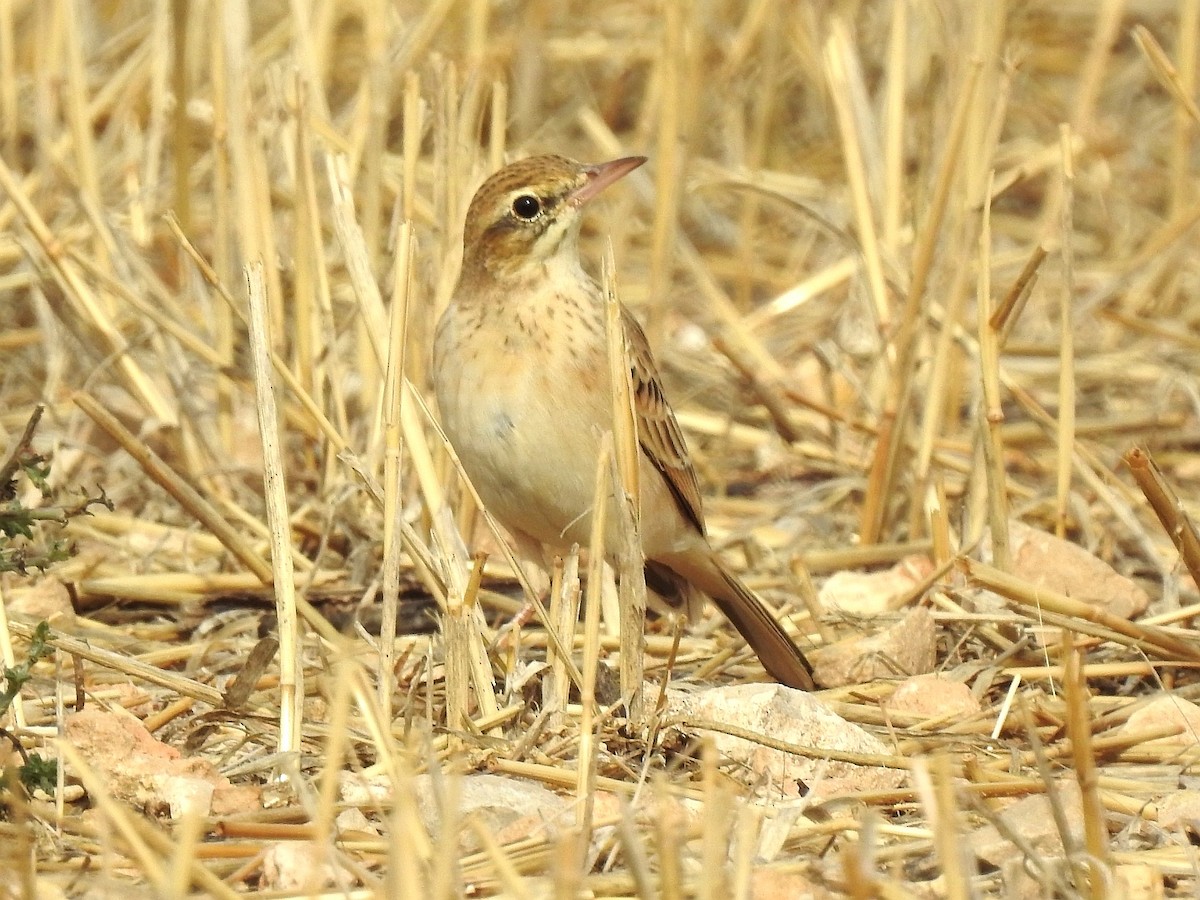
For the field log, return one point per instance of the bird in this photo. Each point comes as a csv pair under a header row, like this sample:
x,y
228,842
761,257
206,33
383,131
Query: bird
x,y
521,376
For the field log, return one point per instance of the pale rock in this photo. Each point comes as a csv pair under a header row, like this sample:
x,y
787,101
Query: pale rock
x,y
504,804
1180,809
235,799
873,593
353,819
1048,561
933,696
776,883
907,648
1032,819
184,794
792,717
1162,711
359,789
46,599
137,768
296,866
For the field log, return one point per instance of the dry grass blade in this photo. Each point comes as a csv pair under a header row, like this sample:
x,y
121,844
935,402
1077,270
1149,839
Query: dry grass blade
x,y
1166,74
1066,347
90,307
129,666
393,395
991,412
1174,519
882,760
630,559
167,478
935,787
291,676
1117,628
1079,729
147,844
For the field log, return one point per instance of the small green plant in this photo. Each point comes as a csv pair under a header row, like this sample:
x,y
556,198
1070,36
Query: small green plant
x,y
19,549
23,547
34,772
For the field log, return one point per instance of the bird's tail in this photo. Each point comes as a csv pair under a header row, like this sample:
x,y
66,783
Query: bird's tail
x,y
778,653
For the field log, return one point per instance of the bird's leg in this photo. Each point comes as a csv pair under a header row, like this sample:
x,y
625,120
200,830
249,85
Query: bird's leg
x,y
534,563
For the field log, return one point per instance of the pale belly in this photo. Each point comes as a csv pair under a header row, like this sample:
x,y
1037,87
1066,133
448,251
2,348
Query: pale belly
x,y
528,429
527,440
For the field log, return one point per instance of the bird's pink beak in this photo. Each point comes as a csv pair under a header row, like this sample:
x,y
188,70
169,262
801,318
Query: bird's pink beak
x,y
601,176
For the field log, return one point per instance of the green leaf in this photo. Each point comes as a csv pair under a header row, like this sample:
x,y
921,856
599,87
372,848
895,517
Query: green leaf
x,y
39,773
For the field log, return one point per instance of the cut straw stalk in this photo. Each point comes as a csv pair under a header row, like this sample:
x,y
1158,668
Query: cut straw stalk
x,y
372,319
291,674
1045,601
252,224
1186,122
714,828
311,287
9,657
224,333
118,662
333,759
564,621
393,394
1164,71
1008,311
1109,14
585,786
902,349
1096,671
1079,717
459,635
838,56
1066,324
943,390
145,534
371,315
629,555
669,75
933,779
742,347
414,114
177,587
991,416
1166,505
894,129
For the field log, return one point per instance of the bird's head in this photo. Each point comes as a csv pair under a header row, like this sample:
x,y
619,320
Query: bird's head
x,y
529,212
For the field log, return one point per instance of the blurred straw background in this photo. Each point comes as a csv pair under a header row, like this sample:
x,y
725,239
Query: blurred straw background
x,y
913,269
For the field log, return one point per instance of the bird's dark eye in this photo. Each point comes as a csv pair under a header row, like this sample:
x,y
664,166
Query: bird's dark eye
x,y
526,207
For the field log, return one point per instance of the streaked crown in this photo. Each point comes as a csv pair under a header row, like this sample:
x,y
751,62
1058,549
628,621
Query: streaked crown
x,y
529,211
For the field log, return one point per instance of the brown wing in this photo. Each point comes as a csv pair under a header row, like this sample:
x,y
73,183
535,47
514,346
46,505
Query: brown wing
x,y
658,432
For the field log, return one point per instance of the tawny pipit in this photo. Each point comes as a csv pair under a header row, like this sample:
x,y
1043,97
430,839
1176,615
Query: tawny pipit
x,y
521,373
